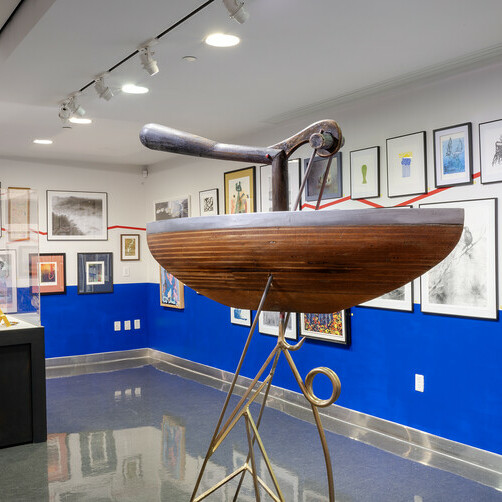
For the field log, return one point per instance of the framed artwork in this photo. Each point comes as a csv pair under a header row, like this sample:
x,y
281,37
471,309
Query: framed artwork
x,y
268,324
129,247
209,203
333,327
465,283
172,291
294,167
333,188
240,316
490,151
240,189
406,165
95,273
173,447
99,453
453,155
178,207
50,269
18,213
77,216
398,299
8,281
365,173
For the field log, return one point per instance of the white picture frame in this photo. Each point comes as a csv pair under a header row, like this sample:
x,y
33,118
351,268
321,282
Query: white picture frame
x,y
242,317
365,173
490,151
209,204
398,299
268,324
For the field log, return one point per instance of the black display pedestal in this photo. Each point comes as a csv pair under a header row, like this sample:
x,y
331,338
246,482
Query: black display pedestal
x,y
23,417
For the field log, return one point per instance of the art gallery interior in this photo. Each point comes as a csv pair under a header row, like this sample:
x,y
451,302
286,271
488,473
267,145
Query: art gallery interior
x,y
123,387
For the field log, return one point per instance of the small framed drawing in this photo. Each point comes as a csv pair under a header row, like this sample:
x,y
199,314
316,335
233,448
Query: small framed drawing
x,y
19,213
8,281
178,207
77,216
172,291
208,202
268,324
490,151
398,299
406,165
465,282
453,155
240,316
333,327
294,167
365,173
240,189
95,273
333,188
48,273
129,247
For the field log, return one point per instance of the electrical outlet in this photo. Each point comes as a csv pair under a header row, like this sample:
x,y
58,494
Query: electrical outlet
x,y
116,326
127,325
419,383
137,324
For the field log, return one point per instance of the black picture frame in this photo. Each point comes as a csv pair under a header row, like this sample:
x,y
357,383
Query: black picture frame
x,y
459,154
59,287
333,190
95,273
204,211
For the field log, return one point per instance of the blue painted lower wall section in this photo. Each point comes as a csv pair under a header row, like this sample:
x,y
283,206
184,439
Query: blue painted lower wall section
x,y
460,359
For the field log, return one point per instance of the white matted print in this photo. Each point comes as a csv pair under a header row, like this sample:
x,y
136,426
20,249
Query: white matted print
x,y
490,151
240,316
465,283
178,207
294,167
77,216
208,202
95,272
406,165
397,299
268,324
365,173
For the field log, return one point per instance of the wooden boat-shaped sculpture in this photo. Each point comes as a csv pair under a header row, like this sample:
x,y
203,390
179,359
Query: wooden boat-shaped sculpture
x,y
300,261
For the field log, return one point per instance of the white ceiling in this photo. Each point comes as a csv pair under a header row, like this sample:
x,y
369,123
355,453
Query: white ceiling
x,y
295,55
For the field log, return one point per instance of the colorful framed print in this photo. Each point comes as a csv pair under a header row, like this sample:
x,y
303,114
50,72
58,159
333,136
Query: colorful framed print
x,y
48,272
178,207
8,281
240,316
173,447
333,188
268,324
77,216
240,189
465,282
18,224
209,204
294,167
406,165
398,299
333,327
129,247
453,155
95,273
365,173
490,151
172,291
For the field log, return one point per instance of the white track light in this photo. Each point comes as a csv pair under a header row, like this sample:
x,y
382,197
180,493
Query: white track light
x,y
65,115
236,10
102,89
75,108
149,64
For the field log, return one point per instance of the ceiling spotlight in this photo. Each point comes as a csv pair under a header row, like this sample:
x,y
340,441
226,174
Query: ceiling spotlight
x,y
134,89
146,57
102,89
222,40
236,10
65,114
79,120
43,141
74,107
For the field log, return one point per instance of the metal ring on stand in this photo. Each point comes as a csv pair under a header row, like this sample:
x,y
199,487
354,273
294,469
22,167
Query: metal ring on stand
x,y
335,382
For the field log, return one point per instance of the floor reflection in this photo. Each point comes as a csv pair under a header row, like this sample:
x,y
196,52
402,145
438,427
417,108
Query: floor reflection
x,y
141,435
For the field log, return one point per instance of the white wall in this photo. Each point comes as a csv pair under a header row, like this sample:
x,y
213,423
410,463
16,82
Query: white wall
x,y
473,96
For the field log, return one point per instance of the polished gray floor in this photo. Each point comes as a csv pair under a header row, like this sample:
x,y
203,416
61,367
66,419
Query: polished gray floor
x,y
141,435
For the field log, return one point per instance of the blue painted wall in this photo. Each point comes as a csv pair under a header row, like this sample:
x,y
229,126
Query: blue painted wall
x,y
460,359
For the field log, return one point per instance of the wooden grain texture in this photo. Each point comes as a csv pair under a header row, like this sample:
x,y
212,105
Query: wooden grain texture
x,y
315,269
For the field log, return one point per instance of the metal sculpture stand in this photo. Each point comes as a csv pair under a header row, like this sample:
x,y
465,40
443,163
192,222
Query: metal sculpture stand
x,y
242,410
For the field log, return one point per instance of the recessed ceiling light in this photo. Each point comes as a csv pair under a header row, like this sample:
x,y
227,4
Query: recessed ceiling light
x,y
190,59
134,89
78,120
43,141
222,40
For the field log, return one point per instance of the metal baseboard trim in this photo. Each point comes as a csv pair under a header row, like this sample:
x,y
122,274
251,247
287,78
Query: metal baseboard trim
x,y
472,463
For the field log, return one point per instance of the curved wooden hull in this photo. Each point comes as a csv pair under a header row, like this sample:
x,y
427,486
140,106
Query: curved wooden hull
x,y
320,261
